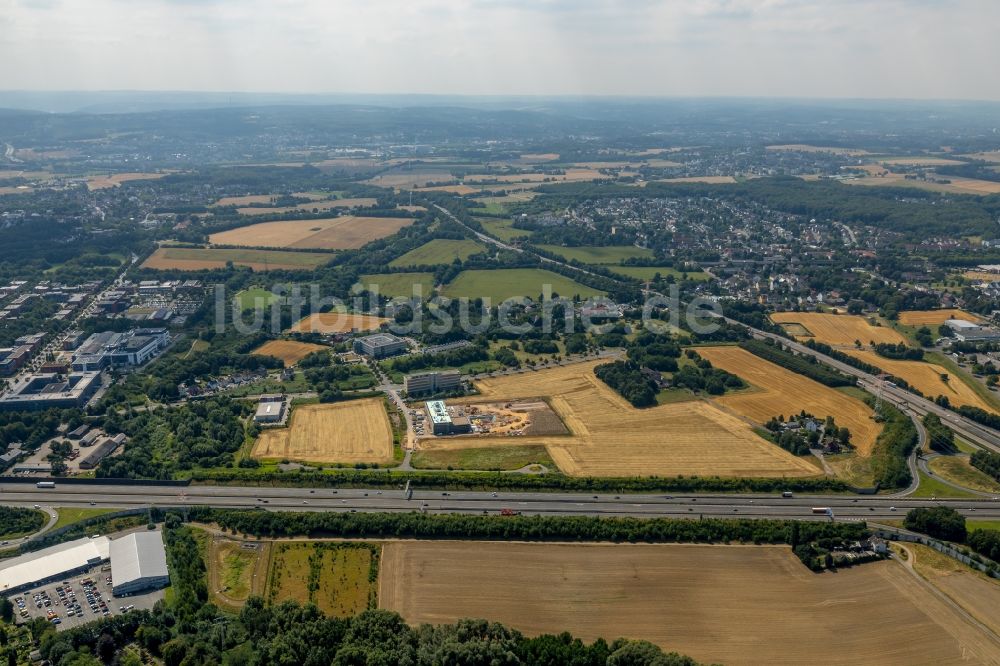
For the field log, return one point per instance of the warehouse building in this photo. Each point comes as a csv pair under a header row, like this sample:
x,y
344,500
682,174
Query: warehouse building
x,y
380,345
270,409
50,564
138,563
966,331
432,382
105,448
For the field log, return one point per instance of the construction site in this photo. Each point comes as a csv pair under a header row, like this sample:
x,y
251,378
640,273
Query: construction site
x,y
507,418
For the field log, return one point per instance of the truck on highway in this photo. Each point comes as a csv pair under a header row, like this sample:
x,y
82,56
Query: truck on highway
x,y
45,484
509,512
823,510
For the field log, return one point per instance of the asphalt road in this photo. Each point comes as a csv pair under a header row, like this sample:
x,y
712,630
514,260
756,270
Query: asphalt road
x,y
556,504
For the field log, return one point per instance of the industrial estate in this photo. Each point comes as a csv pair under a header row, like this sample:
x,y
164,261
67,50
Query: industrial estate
x,y
577,382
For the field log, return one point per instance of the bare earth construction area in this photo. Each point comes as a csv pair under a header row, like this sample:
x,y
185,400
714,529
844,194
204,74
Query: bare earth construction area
x,y
728,604
346,432
612,438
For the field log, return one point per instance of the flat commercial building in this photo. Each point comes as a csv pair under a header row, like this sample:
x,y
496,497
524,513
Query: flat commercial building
x,y
380,345
966,331
50,564
432,382
442,422
49,389
129,349
138,562
269,411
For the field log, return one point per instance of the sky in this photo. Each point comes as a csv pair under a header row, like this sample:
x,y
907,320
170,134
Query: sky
x,y
921,49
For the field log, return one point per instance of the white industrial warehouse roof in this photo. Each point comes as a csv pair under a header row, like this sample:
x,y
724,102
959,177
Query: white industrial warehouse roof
x,y
52,562
136,556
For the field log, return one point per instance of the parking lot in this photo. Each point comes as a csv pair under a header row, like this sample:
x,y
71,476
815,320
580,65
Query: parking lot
x,y
79,599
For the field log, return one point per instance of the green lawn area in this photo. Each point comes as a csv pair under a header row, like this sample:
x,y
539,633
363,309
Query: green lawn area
x,y
931,487
649,272
972,525
855,392
250,298
400,284
499,285
489,458
958,470
672,395
609,254
502,229
70,515
438,251
491,206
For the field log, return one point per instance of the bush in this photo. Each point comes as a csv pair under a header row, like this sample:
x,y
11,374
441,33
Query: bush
x,y
940,522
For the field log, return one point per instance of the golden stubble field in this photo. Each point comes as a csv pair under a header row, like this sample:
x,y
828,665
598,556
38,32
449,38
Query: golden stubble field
x,y
786,392
609,437
839,330
338,322
347,232
346,432
718,604
926,377
289,351
935,318
116,179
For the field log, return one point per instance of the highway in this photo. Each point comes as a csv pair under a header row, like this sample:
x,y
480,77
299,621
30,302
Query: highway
x,y
963,427
845,507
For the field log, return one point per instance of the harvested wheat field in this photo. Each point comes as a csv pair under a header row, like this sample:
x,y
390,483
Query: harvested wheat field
x,y
114,180
711,180
338,322
289,351
839,329
926,377
718,604
347,232
934,318
786,392
201,259
978,594
345,432
610,437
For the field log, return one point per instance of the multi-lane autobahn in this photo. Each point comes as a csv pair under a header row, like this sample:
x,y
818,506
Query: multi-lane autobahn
x,y
844,507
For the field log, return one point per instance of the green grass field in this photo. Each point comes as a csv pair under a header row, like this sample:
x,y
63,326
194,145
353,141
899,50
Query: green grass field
x,y
490,458
249,298
499,285
931,487
610,254
958,470
502,229
438,251
649,272
70,515
400,284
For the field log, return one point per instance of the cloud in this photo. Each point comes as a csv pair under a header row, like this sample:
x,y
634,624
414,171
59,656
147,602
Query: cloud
x,y
815,48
